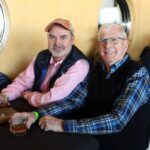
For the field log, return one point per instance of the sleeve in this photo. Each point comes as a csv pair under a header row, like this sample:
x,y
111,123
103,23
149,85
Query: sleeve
x,y
24,81
133,96
74,101
63,86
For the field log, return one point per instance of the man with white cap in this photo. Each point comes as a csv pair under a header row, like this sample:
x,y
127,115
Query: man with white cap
x,y
116,112
56,75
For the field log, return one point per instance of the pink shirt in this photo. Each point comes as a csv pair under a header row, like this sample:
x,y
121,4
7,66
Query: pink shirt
x,y
63,86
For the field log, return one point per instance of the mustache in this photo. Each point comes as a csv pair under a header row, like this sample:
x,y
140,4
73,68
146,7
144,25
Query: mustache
x,y
58,47
109,50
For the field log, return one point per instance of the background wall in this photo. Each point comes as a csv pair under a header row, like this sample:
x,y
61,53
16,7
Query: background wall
x,y
140,31
28,19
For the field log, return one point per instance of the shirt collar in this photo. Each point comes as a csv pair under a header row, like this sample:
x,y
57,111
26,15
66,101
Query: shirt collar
x,y
52,61
115,66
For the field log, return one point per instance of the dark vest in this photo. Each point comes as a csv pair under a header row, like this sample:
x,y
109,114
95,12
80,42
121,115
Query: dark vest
x,y
42,63
102,93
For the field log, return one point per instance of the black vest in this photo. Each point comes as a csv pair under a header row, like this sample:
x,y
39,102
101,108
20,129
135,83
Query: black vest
x,y
42,63
102,93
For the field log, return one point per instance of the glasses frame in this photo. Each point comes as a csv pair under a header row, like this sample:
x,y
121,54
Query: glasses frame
x,y
112,40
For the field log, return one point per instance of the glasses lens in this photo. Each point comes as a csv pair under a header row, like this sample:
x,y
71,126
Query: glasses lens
x,y
111,40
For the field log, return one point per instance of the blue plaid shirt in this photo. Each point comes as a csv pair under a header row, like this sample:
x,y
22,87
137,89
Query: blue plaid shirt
x,y
134,94
74,101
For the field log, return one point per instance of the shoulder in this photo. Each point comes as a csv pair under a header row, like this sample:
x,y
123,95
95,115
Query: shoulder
x,y
141,71
138,73
137,69
82,64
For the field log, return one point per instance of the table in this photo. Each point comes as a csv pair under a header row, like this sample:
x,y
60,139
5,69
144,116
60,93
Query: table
x,y
37,139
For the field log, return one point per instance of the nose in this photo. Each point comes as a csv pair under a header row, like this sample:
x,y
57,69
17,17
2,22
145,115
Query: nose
x,y
57,41
107,44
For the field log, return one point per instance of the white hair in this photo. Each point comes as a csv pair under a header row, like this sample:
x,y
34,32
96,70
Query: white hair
x,y
106,28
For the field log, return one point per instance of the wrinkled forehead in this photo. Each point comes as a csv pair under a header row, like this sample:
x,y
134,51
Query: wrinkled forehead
x,y
111,31
58,30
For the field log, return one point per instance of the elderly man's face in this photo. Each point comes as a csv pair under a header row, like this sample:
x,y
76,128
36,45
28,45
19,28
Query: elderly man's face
x,y
112,47
60,41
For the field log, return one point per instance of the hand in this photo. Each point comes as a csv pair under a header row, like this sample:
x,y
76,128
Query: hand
x,y
4,100
23,117
51,123
26,94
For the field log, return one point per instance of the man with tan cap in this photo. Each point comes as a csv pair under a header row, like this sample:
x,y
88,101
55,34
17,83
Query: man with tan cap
x,y
56,77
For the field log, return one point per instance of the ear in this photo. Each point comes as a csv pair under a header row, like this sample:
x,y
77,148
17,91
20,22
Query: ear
x,y
47,35
72,39
126,45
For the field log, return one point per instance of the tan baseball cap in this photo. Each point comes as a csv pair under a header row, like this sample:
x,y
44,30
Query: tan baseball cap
x,y
63,22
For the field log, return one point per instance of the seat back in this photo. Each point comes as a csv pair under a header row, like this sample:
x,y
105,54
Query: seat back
x,y
145,58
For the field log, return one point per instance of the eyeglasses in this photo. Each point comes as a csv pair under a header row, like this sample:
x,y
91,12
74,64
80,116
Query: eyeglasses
x,y
113,40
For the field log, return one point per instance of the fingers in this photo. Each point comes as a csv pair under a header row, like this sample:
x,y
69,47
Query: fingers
x,y
42,122
46,123
31,120
22,118
26,95
1,98
4,100
51,123
8,103
18,118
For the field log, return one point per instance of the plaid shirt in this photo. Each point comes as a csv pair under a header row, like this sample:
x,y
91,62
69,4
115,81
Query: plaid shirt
x,y
134,94
74,101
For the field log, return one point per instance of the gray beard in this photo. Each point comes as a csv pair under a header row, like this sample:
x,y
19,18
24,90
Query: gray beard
x,y
57,54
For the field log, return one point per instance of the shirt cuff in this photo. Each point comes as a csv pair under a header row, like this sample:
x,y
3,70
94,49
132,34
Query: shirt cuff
x,y
70,126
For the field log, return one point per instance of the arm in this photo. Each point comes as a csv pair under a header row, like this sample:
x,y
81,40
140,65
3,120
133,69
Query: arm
x,y
134,95
63,86
74,101
22,82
